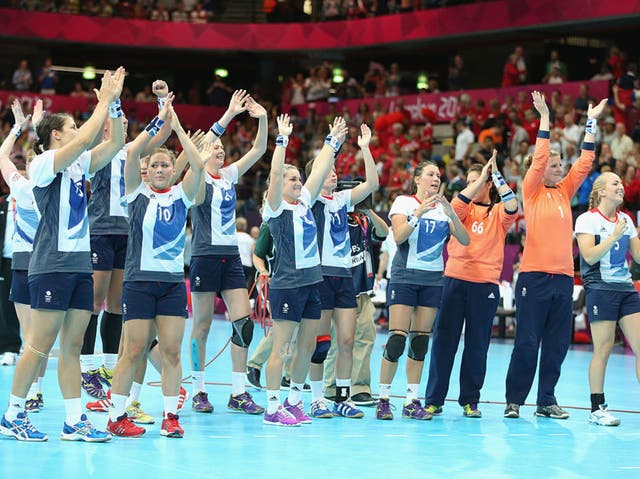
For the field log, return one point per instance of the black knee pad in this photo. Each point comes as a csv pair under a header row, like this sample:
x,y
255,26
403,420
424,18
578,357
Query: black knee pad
x,y
323,344
395,347
418,345
242,332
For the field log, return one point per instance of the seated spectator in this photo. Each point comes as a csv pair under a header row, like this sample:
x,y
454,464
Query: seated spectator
x,y
159,13
622,144
392,82
511,74
105,9
555,77
198,14
331,9
581,103
145,96
22,78
47,78
179,14
79,91
555,63
457,74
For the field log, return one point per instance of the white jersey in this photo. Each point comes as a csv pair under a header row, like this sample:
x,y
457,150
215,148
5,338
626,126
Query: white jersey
x,y
25,217
330,213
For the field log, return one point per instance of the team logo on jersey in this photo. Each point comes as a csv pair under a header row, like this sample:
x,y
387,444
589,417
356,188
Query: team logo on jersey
x,y
28,218
197,280
339,231
227,211
431,235
491,296
48,296
523,292
78,225
124,308
94,258
168,231
595,310
285,308
309,235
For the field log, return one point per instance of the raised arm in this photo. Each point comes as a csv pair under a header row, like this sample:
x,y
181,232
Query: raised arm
x,y
109,92
472,188
260,143
191,181
507,196
181,162
102,154
533,177
371,182
237,105
161,90
324,161
132,177
276,175
206,150
21,123
378,225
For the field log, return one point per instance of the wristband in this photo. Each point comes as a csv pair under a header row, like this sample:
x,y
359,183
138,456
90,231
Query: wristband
x,y
413,221
16,130
509,195
333,142
592,126
217,129
154,126
498,179
115,111
161,102
282,140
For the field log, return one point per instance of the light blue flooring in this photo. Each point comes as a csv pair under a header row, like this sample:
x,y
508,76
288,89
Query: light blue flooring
x,y
230,445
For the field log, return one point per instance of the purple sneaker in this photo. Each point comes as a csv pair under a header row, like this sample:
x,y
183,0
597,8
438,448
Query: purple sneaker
x,y
200,403
383,410
298,411
244,403
32,405
92,385
40,401
281,417
414,410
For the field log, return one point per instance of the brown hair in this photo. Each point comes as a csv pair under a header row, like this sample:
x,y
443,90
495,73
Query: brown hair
x,y
494,196
49,123
417,172
164,151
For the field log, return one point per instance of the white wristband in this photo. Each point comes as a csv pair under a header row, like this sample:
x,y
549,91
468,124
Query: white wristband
x,y
413,221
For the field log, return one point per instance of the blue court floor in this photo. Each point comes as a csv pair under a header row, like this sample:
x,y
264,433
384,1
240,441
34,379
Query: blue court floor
x,y
230,445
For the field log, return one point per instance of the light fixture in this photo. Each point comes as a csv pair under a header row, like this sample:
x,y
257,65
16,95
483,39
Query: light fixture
x,y
422,84
221,72
337,75
89,73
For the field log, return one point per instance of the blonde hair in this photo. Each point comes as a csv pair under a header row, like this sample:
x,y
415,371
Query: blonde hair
x,y
598,185
529,159
164,151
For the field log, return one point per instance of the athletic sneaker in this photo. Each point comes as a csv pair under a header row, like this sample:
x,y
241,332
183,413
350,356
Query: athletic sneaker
x,y
602,417
471,410
101,405
32,405
183,396
363,399
320,410
253,376
298,411
433,409
105,375
347,409
92,385
40,399
83,431
137,415
512,411
244,403
200,403
383,410
171,427
122,427
281,417
286,384
21,429
554,411
414,410
8,359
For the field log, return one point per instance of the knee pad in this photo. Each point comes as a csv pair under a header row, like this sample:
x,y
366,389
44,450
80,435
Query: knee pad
x,y
242,332
323,343
418,345
395,347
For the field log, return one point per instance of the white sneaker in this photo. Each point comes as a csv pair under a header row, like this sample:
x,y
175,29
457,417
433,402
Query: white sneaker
x,y
9,359
602,417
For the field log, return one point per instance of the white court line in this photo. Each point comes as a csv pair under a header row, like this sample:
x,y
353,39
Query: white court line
x,y
478,435
518,434
628,467
396,435
438,435
351,435
310,435
267,436
220,437
559,434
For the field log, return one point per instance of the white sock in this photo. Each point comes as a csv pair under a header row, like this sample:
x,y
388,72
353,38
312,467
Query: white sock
x,y
118,406
171,405
273,401
295,393
40,382
198,382
87,363
385,390
237,383
33,391
316,390
134,395
73,407
412,393
110,361
16,406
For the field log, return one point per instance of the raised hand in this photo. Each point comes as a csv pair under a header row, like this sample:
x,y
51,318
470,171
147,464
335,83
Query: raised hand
x,y
284,125
539,103
255,109
238,102
165,112
160,88
596,111
339,128
365,136
206,148
197,137
440,199
175,121
111,86
21,120
38,113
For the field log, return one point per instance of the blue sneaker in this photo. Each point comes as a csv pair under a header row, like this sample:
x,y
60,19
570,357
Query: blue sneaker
x,y
21,429
320,410
83,431
347,409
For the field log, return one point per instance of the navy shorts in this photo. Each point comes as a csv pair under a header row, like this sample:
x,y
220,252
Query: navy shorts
x,y
19,292
108,252
607,305
61,291
214,274
148,299
337,292
294,304
414,295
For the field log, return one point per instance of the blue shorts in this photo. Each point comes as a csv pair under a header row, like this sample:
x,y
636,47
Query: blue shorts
x,y
414,295
108,252
607,305
19,292
214,274
61,291
148,299
294,304
337,292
